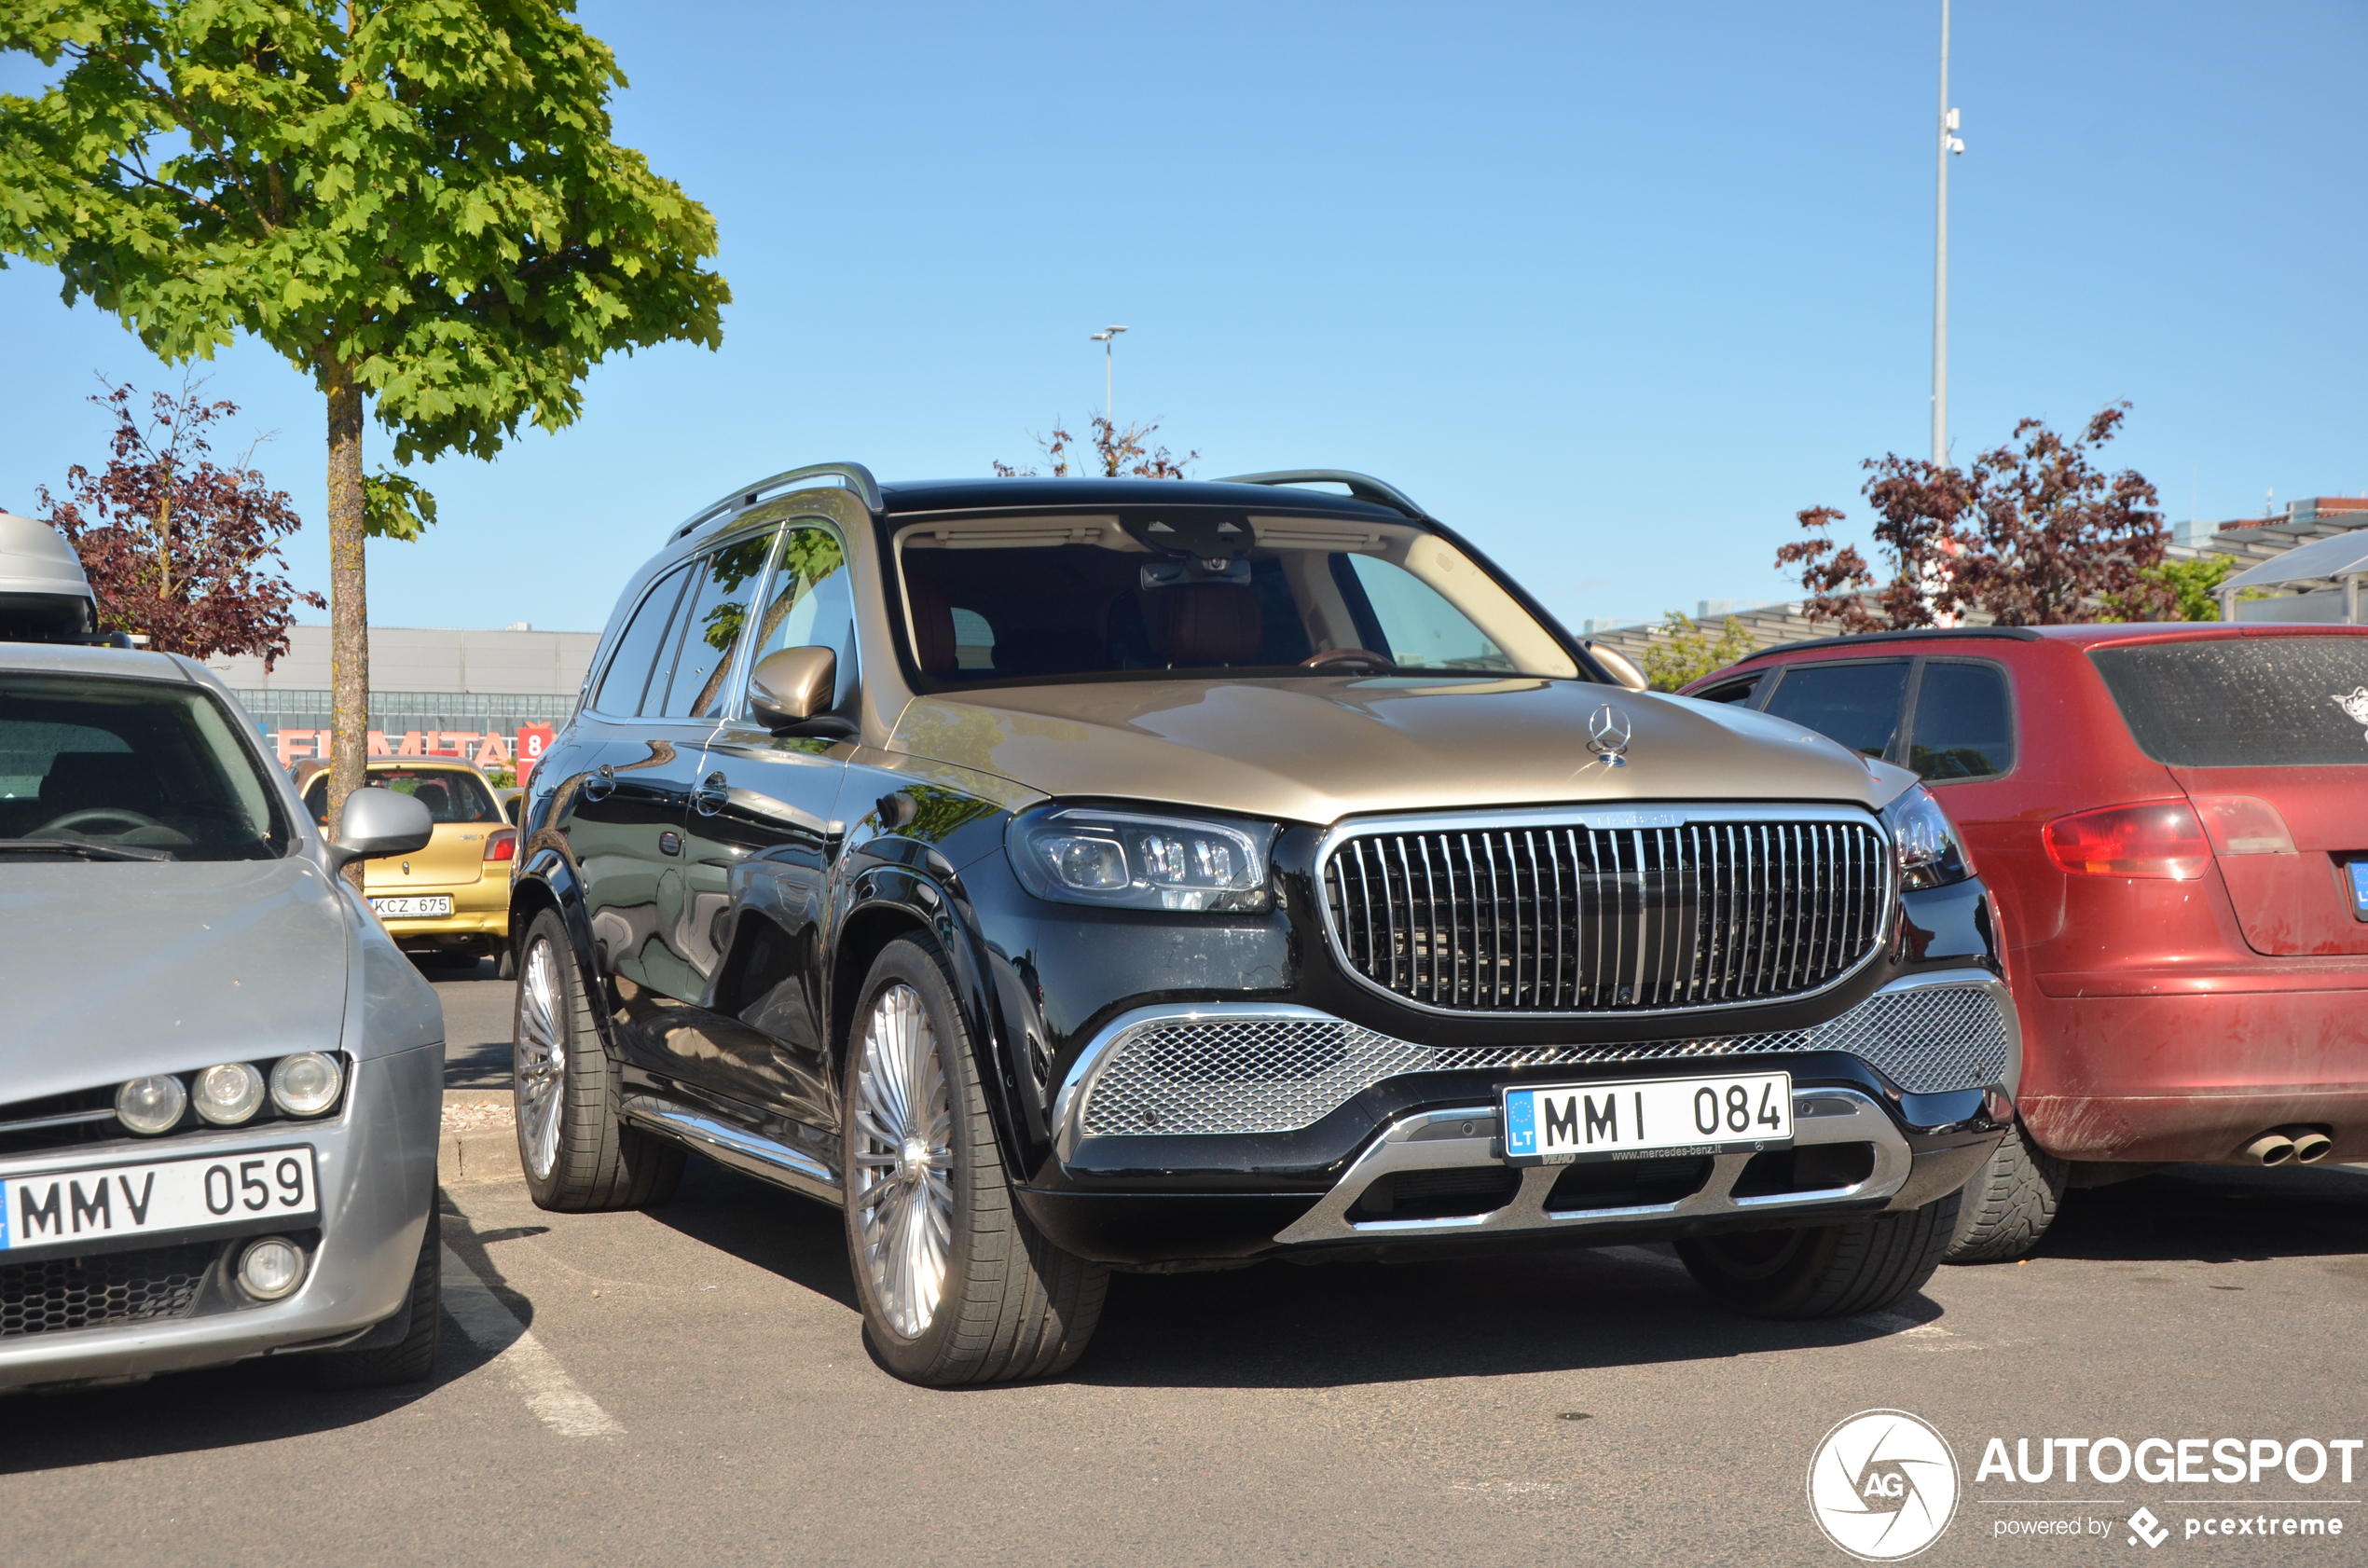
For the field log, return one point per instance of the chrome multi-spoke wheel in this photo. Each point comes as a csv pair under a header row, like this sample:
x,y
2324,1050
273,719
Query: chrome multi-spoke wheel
x,y
540,1057
902,1159
957,1284
578,1151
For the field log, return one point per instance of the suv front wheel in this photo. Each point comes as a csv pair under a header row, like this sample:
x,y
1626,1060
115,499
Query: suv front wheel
x,y
957,1286
578,1154
1825,1271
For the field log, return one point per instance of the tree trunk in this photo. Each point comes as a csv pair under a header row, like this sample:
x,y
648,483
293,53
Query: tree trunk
x,y
349,604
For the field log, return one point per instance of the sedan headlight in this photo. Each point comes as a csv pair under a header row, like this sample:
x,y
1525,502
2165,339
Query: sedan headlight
x,y
1123,860
151,1105
229,1094
1924,842
306,1083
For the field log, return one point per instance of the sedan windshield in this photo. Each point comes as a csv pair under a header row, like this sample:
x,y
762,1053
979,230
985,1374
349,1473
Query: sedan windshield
x,y
1195,591
95,769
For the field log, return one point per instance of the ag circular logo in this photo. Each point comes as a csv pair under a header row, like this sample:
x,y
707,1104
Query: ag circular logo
x,y
1882,1485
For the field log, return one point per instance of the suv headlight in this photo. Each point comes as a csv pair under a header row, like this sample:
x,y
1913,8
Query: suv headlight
x,y
1121,859
1924,843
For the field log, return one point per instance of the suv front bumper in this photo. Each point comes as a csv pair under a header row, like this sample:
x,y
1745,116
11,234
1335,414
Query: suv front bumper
x,y
1170,1149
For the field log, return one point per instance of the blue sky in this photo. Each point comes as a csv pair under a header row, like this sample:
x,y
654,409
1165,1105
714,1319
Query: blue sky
x,y
1614,289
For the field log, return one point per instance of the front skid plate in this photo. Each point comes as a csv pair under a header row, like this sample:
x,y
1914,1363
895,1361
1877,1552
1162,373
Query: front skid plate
x,y
1435,1141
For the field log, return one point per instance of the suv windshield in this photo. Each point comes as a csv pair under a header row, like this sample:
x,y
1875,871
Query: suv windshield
x,y
140,768
1190,591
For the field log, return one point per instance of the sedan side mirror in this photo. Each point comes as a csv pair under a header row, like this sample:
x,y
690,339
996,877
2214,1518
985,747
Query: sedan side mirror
x,y
1619,666
380,821
792,685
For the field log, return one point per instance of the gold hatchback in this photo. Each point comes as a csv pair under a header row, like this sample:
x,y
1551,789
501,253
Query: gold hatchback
x,y
450,900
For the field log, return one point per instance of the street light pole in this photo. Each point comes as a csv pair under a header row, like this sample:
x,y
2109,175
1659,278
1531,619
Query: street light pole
x,y
1949,146
1110,401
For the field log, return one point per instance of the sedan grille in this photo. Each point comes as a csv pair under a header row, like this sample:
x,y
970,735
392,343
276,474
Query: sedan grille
x,y
1569,918
59,1294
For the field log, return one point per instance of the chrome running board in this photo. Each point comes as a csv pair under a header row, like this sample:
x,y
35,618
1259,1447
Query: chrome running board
x,y
737,1148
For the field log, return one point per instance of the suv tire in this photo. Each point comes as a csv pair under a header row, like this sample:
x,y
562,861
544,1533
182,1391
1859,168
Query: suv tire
x,y
410,1359
577,1154
1827,1271
2009,1203
957,1286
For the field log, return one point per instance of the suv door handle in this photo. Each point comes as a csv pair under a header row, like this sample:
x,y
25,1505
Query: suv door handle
x,y
599,783
709,798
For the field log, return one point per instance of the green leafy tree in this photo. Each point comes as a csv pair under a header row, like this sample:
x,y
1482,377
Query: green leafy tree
x,y
416,201
2196,582
1681,651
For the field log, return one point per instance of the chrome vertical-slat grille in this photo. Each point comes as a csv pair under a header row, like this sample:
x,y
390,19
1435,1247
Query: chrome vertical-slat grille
x,y
1574,917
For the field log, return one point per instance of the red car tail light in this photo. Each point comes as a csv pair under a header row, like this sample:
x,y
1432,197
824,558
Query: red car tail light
x,y
2160,838
2243,825
502,845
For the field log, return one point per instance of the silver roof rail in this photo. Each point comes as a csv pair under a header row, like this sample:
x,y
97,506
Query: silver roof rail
x,y
858,479
1361,486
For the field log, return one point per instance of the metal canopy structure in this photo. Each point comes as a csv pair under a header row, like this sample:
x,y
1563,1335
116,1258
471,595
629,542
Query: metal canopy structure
x,y
2340,562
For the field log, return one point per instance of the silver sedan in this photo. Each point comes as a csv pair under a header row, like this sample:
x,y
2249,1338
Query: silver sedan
x,y
219,1079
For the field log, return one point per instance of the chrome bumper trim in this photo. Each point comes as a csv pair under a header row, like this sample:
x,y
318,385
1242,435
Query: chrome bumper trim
x,y
1421,1142
1382,1056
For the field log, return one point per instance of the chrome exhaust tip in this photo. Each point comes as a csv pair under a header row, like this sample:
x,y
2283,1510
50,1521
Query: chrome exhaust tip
x,y
2310,1144
2271,1148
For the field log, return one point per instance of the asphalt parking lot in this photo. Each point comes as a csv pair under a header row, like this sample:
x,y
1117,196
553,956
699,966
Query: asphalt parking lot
x,y
691,1384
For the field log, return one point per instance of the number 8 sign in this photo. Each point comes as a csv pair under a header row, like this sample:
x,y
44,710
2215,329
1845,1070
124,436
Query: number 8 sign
x,y
533,740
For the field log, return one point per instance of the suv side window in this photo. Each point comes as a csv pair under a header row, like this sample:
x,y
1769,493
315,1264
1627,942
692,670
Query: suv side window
x,y
719,610
810,604
1417,627
1859,703
636,651
1963,725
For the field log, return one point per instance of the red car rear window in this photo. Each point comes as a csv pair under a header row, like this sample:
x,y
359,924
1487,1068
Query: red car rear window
x,y
2244,702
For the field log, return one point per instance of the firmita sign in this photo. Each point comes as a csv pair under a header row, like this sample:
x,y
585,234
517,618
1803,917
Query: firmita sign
x,y
519,748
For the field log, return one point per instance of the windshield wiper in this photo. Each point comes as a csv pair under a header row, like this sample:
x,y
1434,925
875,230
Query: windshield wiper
x,y
78,846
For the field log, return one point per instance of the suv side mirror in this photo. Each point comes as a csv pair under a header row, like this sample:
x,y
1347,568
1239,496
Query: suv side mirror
x,y
380,821
1619,666
792,686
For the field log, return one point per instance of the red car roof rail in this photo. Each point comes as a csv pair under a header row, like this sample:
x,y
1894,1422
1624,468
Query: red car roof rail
x,y
1855,639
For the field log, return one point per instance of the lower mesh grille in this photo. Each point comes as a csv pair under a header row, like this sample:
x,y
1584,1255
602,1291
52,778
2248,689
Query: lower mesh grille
x,y
59,1294
1223,1074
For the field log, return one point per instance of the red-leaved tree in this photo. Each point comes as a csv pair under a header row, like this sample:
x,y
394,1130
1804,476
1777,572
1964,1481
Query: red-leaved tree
x,y
1115,453
2034,534
177,546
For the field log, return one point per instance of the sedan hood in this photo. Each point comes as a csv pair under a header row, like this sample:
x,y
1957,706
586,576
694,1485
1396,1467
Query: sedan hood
x,y
1317,749
113,969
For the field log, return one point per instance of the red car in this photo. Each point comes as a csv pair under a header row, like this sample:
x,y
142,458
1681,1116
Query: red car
x,y
2173,820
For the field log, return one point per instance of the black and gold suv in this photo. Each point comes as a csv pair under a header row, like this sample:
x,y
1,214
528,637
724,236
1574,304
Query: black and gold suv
x,y
1062,875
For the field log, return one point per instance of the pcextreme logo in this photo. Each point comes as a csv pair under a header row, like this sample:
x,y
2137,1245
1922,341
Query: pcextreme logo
x,y
1882,1485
